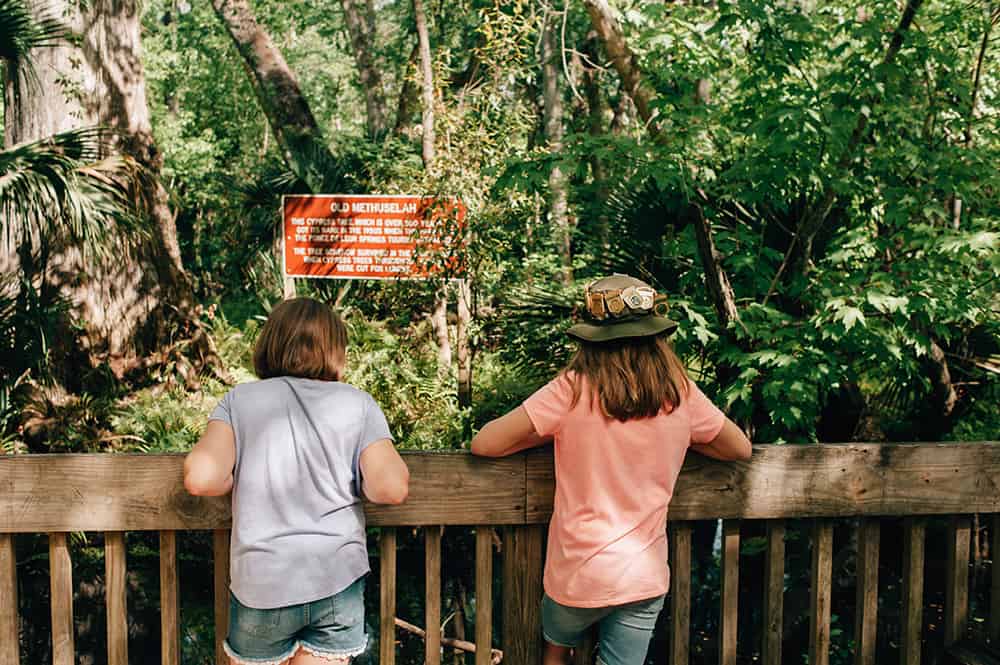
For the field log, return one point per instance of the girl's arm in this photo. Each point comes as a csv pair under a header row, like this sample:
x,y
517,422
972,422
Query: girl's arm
x,y
506,435
730,445
208,468
385,477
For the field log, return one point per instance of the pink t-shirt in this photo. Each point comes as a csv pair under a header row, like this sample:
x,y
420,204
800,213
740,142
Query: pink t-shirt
x,y
614,480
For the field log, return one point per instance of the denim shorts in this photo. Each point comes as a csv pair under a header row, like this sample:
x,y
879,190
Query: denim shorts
x,y
624,630
333,627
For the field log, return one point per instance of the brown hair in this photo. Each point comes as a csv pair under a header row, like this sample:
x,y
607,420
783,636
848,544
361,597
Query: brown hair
x,y
633,377
302,337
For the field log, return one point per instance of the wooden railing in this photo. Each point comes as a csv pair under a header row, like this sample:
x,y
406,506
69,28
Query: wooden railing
x,y
60,494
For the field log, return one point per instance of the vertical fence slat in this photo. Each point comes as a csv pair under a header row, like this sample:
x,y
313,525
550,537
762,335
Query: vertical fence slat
x,y
730,591
774,593
523,562
9,622
61,583
432,594
114,597
914,529
387,614
680,593
995,581
822,573
956,604
484,595
170,652
866,624
220,558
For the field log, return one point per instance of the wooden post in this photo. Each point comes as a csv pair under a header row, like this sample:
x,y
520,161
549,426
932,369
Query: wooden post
x,y
387,616
484,594
728,619
995,581
523,561
866,623
432,594
220,549
680,593
913,590
9,622
774,593
822,572
170,645
61,582
114,597
956,604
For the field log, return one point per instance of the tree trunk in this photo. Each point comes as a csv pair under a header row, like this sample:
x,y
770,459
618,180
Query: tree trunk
x,y
295,130
408,94
361,27
427,74
439,323
553,121
128,301
463,303
596,109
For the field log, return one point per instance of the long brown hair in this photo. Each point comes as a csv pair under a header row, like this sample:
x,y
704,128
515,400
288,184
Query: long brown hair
x,y
631,378
304,338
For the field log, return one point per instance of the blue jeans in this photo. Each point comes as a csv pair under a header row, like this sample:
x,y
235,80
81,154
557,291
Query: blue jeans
x,y
624,629
333,627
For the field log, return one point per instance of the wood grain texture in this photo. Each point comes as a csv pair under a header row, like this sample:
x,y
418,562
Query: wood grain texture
x,y
170,615
827,480
774,593
61,585
914,531
114,592
820,596
220,562
484,594
9,618
387,593
680,593
729,606
866,604
995,580
523,563
956,588
432,594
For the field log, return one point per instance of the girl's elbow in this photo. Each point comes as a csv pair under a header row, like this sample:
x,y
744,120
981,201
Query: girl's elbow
x,y
196,485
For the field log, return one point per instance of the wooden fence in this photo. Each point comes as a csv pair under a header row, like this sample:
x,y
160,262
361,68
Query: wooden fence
x,y
60,494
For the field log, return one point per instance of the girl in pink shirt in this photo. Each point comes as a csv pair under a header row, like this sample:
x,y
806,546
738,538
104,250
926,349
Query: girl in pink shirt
x,y
622,414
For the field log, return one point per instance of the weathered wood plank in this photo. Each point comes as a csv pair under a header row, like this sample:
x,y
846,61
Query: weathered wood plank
x,y
61,584
220,561
866,614
956,603
995,580
9,620
774,593
432,594
170,615
387,579
146,492
822,579
523,561
914,529
484,594
820,481
114,597
680,593
728,619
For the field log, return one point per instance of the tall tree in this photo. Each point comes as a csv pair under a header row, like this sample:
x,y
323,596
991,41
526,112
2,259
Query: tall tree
x,y
552,105
131,303
360,20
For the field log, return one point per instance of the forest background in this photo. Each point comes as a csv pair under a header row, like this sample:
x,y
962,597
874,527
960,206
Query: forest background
x,y
814,186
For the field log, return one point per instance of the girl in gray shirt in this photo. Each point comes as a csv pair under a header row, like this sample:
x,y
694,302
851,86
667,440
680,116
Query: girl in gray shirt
x,y
297,449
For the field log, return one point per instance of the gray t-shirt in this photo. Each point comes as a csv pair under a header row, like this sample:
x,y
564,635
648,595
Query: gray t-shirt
x,y
298,524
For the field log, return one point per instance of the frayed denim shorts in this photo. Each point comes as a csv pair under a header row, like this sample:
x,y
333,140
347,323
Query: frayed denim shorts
x,y
331,628
625,630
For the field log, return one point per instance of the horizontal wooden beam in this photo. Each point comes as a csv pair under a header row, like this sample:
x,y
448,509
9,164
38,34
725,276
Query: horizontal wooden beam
x,y
43,493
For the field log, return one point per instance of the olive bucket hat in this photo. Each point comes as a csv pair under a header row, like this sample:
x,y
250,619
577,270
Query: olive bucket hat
x,y
621,306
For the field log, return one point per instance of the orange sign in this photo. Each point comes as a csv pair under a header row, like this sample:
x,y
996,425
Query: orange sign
x,y
369,237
